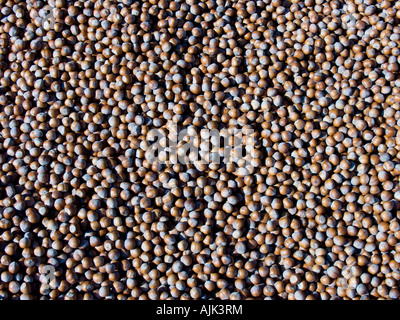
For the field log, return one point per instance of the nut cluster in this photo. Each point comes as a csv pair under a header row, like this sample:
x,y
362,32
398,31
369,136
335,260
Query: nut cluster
x,y
80,87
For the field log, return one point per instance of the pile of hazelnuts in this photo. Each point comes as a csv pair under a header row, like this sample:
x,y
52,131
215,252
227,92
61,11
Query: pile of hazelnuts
x,y
84,214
